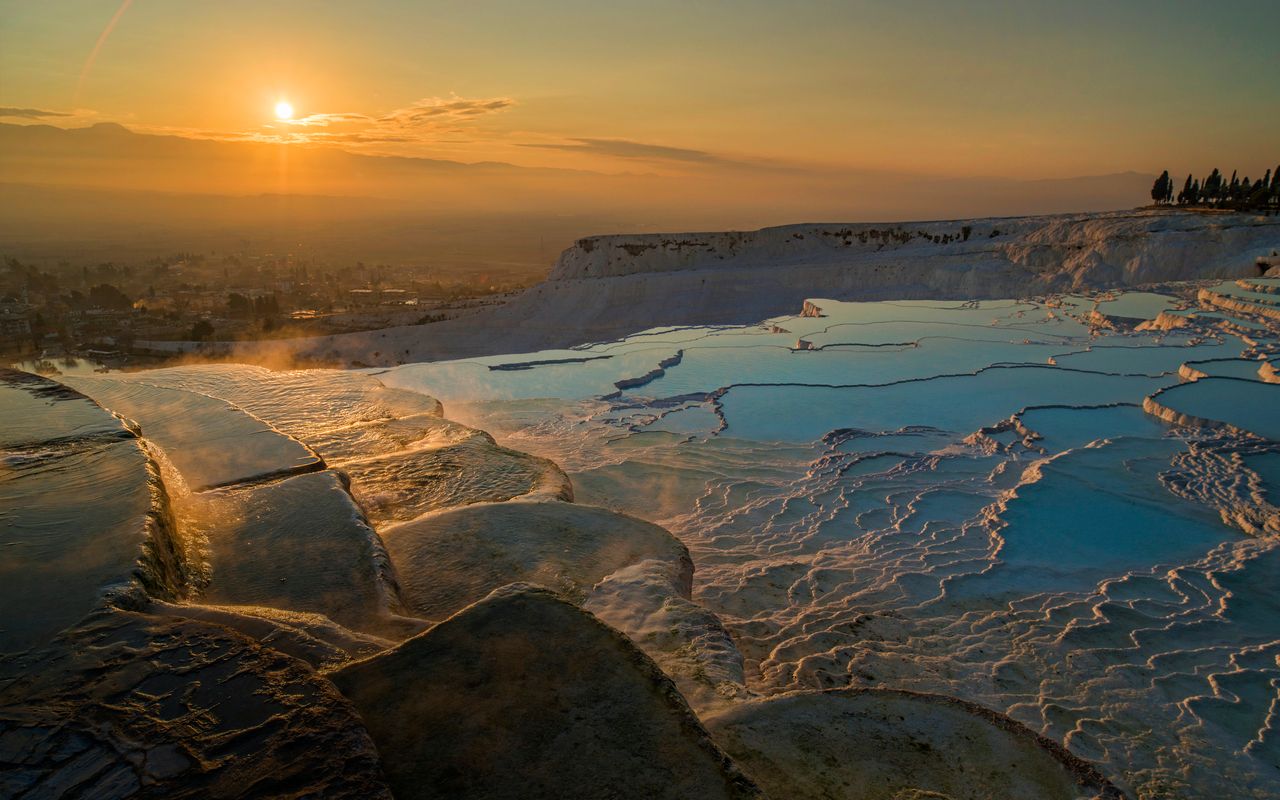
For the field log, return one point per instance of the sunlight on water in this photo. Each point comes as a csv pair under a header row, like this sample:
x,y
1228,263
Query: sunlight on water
x,y
76,508
965,498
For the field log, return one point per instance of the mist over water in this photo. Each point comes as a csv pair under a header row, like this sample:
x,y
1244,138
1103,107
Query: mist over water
x,y
1044,507
403,405
963,498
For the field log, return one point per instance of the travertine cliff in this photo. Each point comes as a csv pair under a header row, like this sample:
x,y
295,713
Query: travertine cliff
x,y
609,286
1077,250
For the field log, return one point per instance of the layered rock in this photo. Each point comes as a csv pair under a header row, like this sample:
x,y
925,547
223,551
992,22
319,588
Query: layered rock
x,y
136,705
1233,404
404,459
876,744
212,442
301,403
469,467
212,672
1260,306
609,286
632,574
523,695
268,525
454,558
85,515
299,544
285,554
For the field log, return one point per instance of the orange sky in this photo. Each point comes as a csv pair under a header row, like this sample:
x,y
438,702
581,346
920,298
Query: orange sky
x,y
1026,89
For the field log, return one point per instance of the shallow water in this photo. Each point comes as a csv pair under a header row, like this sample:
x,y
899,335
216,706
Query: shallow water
x,y
964,498
57,367
212,442
1136,305
1246,404
75,505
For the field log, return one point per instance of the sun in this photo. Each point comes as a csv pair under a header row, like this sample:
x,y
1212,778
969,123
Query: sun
x,y
284,110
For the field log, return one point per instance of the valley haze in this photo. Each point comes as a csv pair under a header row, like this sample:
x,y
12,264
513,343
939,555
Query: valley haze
x,y
105,192
604,287
821,400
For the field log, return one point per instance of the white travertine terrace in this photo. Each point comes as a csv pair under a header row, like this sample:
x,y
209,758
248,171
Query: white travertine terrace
x,y
953,498
609,286
961,548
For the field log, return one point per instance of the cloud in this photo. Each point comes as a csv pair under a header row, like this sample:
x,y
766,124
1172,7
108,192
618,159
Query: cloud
x,y
32,113
424,125
641,151
359,137
426,121
625,148
328,120
430,111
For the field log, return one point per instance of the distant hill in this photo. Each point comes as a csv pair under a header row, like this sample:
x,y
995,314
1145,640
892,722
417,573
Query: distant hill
x,y
109,156
607,287
106,192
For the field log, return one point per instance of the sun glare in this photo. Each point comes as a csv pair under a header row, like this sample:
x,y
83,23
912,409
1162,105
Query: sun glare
x,y
284,110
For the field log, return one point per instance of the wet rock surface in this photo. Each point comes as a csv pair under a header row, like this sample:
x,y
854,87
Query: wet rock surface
x,y
898,591
82,511
299,544
606,287
134,705
965,499
574,709
404,485
212,442
454,558
630,573
886,745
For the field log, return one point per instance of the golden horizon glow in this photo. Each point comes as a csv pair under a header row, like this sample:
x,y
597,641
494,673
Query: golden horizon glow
x,y
1033,89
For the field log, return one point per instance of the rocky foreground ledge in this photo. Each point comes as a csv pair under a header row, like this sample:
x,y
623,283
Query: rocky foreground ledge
x,y
311,585
605,287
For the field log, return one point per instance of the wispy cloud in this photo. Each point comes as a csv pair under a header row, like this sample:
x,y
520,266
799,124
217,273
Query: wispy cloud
x,y
327,120
421,126
430,111
625,148
660,155
97,46
32,113
74,118
421,121
450,126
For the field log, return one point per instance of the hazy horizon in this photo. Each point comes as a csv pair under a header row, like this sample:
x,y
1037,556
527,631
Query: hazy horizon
x,y
103,192
1029,89
495,134
823,400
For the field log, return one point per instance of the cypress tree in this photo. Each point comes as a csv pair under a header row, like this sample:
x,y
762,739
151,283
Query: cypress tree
x,y
1160,188
1212,186
1261,192
1184,196
1258,192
